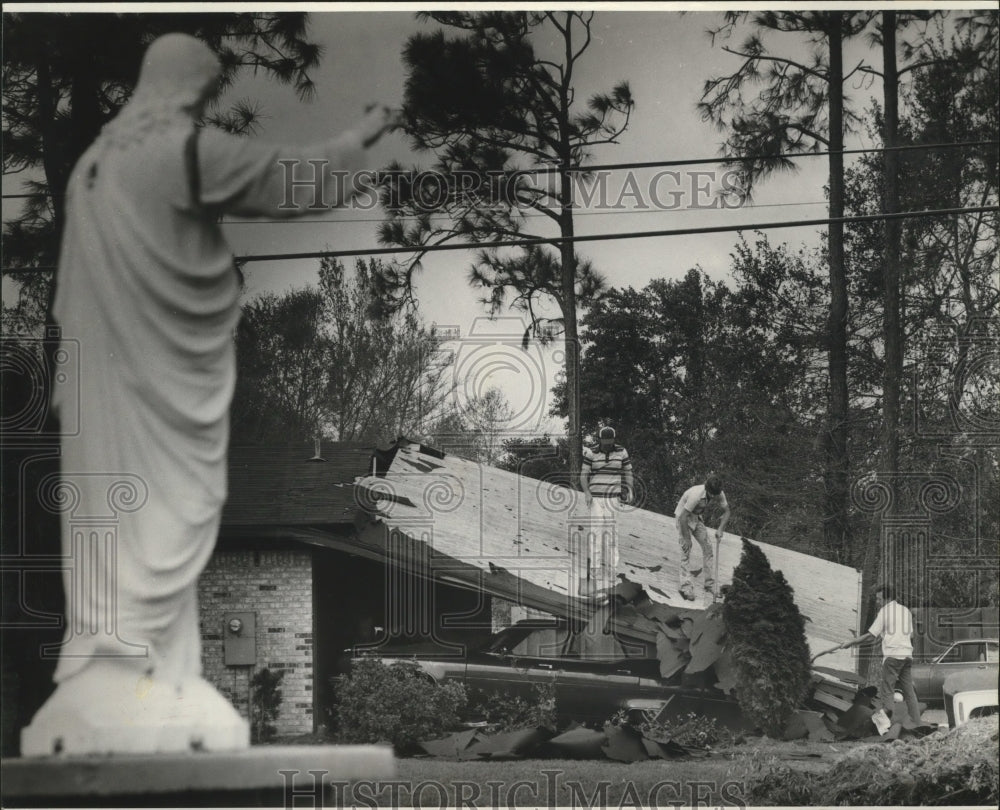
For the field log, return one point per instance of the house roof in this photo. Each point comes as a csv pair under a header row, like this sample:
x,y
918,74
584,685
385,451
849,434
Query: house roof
x,y
521,538
284,486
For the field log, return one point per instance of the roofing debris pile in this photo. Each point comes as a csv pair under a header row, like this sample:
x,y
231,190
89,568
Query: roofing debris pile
x,y
525,541
622,743
688,640
693,655
516,538
691,647
845,706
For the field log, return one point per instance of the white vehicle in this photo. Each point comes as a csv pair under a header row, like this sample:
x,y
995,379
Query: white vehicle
x,y
974,703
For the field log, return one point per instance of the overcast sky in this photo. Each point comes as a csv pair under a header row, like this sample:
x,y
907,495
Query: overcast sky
x,y
665,56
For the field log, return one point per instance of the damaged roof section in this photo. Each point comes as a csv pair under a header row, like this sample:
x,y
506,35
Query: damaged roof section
x,y
525,540
294,486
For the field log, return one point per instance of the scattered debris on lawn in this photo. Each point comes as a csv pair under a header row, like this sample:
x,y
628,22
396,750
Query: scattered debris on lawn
x,y
845,707
578,743
807,725
959,766
619,740
834,689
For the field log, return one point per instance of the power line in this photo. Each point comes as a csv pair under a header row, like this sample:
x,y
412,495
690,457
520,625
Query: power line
x,y
556,240
750,158
653,164
576,213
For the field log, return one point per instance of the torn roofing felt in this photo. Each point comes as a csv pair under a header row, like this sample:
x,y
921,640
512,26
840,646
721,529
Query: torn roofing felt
x,y
525,540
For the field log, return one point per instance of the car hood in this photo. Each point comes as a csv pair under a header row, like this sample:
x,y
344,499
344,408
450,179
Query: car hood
x,y
412,650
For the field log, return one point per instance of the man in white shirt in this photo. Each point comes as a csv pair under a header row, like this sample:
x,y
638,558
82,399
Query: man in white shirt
x,y
690,509
894,624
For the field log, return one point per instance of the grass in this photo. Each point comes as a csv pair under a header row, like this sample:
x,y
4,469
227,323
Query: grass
x,y
713,781
551,782
948,766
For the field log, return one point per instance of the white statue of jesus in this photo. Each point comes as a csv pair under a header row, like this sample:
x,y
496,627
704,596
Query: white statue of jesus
x,y
148,291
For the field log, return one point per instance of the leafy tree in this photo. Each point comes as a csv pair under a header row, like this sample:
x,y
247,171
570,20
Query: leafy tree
x,y
891,264
62,83
476,429
489,414
540,457
283,362
644,370
698,377
387,377
948,283
799,108
310,363
491,106
767,639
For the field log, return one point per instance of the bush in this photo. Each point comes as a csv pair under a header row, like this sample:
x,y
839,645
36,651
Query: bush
x,y
397,703
766,634
692,730
511,712
265,704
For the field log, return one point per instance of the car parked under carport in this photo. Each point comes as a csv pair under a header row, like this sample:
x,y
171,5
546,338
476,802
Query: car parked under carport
x,y
590,687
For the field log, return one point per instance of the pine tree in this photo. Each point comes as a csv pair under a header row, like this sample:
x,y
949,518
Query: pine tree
x,y
767,639
490,101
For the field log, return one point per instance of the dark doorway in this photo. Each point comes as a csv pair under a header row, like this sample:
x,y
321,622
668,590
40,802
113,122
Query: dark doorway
x,y
360,602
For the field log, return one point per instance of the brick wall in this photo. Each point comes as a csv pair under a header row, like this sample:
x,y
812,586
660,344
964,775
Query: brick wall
x,y
277,586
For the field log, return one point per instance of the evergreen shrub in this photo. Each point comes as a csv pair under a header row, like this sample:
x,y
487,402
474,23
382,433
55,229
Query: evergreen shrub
x,y
766,634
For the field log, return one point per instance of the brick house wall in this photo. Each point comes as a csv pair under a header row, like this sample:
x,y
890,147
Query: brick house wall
x,y
277,586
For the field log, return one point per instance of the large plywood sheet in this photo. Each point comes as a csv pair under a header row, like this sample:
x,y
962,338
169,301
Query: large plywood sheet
x,y
503,525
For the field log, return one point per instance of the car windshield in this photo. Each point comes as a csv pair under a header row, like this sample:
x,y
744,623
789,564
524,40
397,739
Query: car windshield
x,y
539,641
971,652
556,640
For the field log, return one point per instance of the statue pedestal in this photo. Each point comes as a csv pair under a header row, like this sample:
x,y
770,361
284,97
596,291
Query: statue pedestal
x,y
267,775
112,709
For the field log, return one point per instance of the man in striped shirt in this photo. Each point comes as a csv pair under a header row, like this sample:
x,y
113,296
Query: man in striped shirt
x,y
606,479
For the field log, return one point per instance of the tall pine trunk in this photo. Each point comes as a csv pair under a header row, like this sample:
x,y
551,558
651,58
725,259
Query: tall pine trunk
x,y
891,329
837,465
567,262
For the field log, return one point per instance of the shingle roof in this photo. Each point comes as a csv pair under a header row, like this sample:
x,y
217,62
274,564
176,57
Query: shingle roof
x,y
280,486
